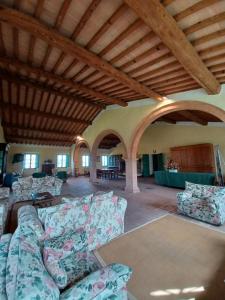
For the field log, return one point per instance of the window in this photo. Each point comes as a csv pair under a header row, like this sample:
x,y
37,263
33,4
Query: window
x,y
85,161
104,160
30,161
61,161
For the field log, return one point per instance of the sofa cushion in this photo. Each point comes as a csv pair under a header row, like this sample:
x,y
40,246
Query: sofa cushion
x,y
25,182
105,221
49,181
102,284
57,249
4,248
27,216
37,183
100,196
30,279
79,265
62,218
12,265
201,190
78,200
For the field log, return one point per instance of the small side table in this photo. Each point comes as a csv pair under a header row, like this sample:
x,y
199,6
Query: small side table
x,y
39,200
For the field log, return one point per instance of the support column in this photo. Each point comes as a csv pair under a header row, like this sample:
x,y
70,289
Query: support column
x,y
131,176
93,177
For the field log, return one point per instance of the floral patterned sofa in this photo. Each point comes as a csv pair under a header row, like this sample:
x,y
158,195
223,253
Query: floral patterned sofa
x,y
39,263
202,202
25,186
4,199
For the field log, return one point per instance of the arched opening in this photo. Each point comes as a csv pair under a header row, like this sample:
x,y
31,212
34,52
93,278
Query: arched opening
x,y
82,159
108,159
201,116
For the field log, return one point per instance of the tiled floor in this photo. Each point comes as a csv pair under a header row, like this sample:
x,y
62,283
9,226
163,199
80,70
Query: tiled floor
x,y
152,202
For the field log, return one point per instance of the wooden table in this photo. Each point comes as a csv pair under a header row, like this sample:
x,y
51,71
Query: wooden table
x,y
48,201
108,173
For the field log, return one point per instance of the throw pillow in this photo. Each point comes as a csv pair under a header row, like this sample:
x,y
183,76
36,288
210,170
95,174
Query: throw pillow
x,y
101,196
57,249
63,218
78,200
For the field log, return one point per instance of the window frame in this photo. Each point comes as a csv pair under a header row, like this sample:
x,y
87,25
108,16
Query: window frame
x,y
104,163
85,161
30,161
62,161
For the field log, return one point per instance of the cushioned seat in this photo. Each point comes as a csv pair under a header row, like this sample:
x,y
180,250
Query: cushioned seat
x,y
203,202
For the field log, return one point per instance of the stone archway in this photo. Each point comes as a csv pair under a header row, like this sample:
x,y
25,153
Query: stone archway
x,y
94,149
76,155
132,185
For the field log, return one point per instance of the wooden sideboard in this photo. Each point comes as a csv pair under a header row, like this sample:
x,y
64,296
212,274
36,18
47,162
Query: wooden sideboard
x,y
194,158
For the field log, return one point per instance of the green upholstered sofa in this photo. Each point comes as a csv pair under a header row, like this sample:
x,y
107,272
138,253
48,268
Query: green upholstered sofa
x,y
178,179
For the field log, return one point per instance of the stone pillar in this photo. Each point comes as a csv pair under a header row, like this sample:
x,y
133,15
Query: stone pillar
x,y
131,176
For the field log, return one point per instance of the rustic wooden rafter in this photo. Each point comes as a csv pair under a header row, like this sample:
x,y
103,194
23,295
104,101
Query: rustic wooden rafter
x,y
52,37
163,24
36,140
59,80
43,88
14,127
25,110
192,117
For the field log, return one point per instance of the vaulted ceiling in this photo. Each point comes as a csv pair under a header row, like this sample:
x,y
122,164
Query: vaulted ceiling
x,y
63,62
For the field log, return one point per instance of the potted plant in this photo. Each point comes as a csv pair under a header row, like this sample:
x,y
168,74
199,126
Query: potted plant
x,y
172,166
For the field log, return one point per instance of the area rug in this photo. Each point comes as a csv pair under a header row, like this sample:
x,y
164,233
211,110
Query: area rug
x,y
171,259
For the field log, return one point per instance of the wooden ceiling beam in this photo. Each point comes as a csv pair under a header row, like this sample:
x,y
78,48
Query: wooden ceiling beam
x,y
25,110
205,23
192,117
54,38
194,8
163,24
59,80
65,135
43,88
27,140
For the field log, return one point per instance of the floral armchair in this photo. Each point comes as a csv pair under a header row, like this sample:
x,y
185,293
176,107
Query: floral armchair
x,y
26,186
36,264
4,198
202,202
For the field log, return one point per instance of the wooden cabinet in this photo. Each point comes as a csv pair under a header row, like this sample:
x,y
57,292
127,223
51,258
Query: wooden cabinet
x,y
3,160
194,158
47,168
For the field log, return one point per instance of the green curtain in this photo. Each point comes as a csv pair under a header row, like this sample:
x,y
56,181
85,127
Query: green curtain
x,y
145,164
37,161
67,160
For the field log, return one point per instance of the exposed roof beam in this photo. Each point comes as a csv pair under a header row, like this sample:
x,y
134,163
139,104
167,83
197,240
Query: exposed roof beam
x,y
42,131
19,108
41,87
54,38
163,24
6,61
59,80
192,117
15,139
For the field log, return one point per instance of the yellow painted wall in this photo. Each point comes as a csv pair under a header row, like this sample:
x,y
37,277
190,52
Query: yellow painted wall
x,y
125,120
48,152
161,137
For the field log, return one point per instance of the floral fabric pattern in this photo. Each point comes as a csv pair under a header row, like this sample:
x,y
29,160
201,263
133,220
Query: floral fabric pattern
x,y
78,200
209,206
4,248
57,249
3,215
102,284
4,192
26,274
26,186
